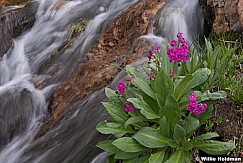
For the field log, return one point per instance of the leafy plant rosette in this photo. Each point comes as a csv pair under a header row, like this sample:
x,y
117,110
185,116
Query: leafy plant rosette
x,y
154,115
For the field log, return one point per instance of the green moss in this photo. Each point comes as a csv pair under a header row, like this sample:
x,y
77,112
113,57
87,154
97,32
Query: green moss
x,y
75,30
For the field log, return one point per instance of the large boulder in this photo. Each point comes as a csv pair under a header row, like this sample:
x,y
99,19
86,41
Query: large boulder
x,y
226,15
14,21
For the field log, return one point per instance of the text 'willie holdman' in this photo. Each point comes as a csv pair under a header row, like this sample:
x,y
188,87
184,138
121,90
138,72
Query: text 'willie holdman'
x,y
233,159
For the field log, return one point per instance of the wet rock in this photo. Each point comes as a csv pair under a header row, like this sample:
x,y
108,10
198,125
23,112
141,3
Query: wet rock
x,y
14,21
114,49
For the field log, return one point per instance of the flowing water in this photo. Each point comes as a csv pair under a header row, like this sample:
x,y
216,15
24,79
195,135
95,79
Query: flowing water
x,y
23,107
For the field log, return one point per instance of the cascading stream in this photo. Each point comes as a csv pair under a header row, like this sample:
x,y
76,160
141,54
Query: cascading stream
x,y
22,106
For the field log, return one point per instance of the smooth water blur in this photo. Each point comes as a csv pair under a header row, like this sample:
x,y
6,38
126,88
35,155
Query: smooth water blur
x,y
24,107
180,16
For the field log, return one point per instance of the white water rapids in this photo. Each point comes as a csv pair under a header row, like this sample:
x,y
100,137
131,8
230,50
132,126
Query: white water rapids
x,y
23,107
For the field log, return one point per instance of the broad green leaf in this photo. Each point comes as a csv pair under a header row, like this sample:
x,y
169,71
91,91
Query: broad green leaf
x,y
111,95
116,129
163,84
150,138
200,76
128,144
158,157
186,145
116,112
133,71
210,96
144,86
166,65
206,136
164,127
217,95
144,107
214,147
127,155
173,144
180,156
153,104
133,120
160,100
108,147
179,133
183,87
171,111
190,125
143,159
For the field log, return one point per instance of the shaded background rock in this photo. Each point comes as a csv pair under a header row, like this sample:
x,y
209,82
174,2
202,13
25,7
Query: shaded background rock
x,y
15,21
228,15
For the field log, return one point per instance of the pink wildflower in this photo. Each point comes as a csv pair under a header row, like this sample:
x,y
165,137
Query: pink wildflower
x,y
126,102
121,87
173,43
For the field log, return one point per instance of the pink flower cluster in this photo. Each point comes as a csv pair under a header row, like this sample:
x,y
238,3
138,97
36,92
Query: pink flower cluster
x,y
121,87
180,49
194,107
173,74
151,52
128,108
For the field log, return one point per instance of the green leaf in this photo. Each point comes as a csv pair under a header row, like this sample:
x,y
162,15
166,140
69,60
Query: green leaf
x,y
133,120
180,156
143,159
160,101
111,95
171,111
144,107
133,71
206,136
128,144
164,127
150,138
186,145
153,104
166,65
183,87
163,85
108,147
158,157
144,86
173,144
179,133
217,95
200,76
116,112
190,125
214,147
210,96
127,155
116,129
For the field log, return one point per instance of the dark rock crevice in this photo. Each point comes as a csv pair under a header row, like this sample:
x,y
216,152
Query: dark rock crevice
x,y
14,22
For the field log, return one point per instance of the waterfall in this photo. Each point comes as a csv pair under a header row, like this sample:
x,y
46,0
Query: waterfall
x,y
23,107
180,16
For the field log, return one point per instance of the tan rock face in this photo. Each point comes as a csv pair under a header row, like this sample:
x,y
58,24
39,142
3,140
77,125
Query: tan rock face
x,y
228,15
101,62
12,2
